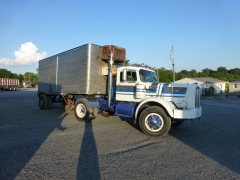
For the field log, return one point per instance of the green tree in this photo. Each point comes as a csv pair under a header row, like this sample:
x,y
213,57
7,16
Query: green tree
x,y
193,73
222,73
31,77
235,71
5,73
21,79
164,75
182,74
222,70
14,76
126,63
205,72
185,73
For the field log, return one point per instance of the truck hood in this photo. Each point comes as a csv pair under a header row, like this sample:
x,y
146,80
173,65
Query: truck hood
x,y
166,89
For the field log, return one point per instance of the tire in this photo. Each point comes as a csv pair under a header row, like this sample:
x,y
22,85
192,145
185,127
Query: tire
x,y
176,123
154,121
43,102
82,110
49,105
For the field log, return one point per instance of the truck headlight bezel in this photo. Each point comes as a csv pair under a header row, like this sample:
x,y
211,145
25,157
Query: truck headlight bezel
x,y
184,105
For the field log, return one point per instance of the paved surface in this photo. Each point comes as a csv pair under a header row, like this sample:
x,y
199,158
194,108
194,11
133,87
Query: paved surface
x,y
51,144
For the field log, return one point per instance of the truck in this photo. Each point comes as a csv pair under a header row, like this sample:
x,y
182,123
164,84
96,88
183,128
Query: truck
x,y
93,80
9,84
27,84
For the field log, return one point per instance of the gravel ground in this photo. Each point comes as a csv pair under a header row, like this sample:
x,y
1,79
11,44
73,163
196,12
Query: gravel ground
x,y
52,144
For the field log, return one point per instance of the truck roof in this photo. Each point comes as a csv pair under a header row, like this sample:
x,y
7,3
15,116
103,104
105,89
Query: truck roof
x,y
137,68
119,53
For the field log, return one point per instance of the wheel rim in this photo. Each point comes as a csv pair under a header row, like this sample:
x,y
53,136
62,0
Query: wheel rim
x,y
81,110
154,122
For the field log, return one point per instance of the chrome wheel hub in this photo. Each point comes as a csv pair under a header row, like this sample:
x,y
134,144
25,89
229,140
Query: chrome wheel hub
x,y
154,122
81,110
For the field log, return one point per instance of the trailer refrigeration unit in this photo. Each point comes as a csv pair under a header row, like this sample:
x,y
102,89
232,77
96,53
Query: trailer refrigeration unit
x,y
9,84
92,80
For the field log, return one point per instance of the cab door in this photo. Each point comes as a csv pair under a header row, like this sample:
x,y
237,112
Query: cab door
x,y
126,85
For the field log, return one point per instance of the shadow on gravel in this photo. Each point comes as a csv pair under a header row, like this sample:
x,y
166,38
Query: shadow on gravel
x,y
88,166
216,136
23,129
131,122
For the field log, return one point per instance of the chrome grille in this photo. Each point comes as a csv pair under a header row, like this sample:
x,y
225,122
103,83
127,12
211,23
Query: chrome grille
x,y
197,98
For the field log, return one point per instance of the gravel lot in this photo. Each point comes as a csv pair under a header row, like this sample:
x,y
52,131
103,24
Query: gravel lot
x,y
52,144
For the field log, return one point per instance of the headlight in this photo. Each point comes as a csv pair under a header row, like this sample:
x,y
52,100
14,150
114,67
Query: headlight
x,y
184,105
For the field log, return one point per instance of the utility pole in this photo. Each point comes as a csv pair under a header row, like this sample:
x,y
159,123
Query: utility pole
x,y
172,57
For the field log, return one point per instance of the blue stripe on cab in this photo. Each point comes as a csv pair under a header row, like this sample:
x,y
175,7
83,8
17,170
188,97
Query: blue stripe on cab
x,y
174,90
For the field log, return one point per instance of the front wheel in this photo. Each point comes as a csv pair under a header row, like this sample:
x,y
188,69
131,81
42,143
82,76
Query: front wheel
x,y
82,110
154,121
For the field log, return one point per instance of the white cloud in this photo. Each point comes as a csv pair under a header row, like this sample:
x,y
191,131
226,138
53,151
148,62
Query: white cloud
x,y
26,55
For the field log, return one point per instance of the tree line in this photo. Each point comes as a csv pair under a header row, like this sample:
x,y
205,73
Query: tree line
x,y
27,77
164,75
221,73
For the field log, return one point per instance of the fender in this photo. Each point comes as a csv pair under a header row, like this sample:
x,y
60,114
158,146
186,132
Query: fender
x,y
166,104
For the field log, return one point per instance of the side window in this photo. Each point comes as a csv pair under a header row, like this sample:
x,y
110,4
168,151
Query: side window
x,y
235,85
131,76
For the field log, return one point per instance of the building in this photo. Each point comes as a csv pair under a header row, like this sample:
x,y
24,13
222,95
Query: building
x,y
234,86
208,85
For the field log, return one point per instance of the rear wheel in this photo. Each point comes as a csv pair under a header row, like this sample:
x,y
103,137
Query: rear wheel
x,y
49,104
82,110
154,121
43,102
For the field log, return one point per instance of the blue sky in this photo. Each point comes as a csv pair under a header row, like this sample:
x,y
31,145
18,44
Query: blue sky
x,y
205,34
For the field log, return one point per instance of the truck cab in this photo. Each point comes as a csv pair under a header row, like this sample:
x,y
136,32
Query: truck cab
x,y
137,90
136,83
133,82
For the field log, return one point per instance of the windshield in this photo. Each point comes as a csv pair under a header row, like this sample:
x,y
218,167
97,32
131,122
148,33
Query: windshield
x,y
147,76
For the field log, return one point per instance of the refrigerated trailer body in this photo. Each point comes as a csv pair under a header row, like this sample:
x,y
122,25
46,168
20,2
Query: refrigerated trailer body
x,y
92,79
77,71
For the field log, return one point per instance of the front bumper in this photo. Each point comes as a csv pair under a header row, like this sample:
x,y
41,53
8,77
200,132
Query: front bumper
x,y
187,113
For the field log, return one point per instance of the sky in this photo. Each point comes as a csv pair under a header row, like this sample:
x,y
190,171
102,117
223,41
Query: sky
x,y
205,34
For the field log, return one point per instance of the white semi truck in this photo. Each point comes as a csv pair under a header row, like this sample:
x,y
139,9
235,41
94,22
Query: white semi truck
x,y
92,79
